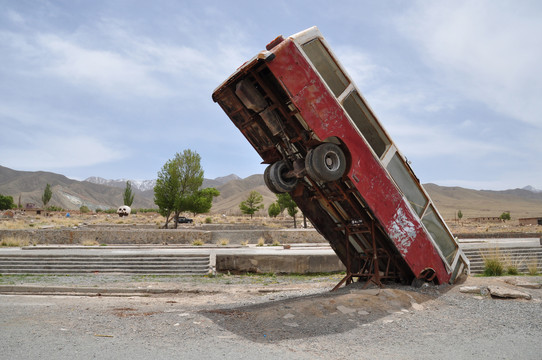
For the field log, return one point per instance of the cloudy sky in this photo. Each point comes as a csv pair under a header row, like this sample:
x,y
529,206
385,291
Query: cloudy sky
x,y
115,88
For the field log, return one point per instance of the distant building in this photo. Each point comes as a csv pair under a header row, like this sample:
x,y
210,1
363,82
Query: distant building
x,y
32,208
492,219
531,221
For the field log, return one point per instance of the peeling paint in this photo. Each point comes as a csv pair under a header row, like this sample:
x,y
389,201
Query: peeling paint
x,y
402,231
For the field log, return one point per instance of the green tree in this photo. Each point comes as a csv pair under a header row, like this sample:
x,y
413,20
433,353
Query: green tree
x,y
505,216
178,180
252,204
6,202
47,194
201,201
459,215
273,210
166,189
285,201
128,194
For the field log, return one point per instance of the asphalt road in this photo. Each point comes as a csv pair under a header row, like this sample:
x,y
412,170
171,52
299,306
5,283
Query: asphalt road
x,y
286,320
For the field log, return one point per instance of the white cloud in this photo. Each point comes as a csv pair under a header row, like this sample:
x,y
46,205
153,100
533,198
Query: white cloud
x,y
15,17
105,70
488,50
56,152
437,141
360,66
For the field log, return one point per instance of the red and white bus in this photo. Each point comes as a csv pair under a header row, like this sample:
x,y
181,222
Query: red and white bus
x,y
303,114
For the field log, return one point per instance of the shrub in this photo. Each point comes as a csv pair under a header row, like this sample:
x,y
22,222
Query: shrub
x,y
208,220
275,243
198,242
261,242
54,208
512,264
493,267
224,242
532,266
493,262
84,209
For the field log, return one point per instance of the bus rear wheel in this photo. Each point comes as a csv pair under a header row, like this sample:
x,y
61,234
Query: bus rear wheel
x,y
326,162
275,179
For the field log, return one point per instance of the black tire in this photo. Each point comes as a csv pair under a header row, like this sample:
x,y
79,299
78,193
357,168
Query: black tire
x,y
268,180
326,162
276,181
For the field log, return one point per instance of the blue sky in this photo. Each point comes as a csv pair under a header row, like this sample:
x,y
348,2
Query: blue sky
x,y
115,88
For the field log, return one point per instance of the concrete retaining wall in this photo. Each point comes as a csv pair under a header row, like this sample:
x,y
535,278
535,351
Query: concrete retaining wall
x,y
160,236
299,264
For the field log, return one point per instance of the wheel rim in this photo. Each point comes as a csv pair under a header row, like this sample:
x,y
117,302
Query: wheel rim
x,y
332,161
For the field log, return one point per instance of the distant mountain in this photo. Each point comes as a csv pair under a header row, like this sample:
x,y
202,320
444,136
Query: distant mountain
x,y
532,189
146,185
481,203
219,181
67,193
100,193
141,185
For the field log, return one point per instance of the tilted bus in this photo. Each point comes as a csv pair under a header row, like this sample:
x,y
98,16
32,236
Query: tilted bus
x,y
303,114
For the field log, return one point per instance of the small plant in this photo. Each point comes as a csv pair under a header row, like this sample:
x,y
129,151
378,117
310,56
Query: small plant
x,y
493,267
493,262
261,242
224,242
244,243
512,264
198,242
276,243
532,266
208,220
512,270
89,242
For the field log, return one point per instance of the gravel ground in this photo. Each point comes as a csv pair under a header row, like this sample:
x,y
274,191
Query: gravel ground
x,y
267,317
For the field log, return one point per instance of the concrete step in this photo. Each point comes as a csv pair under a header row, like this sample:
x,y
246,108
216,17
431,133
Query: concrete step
x,y
125,264
519,256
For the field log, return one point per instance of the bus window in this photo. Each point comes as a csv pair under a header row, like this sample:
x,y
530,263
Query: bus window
x,y
366,123
326,66
438,232
407,184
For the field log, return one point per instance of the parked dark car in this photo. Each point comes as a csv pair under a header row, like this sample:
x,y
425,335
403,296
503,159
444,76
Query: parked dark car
x,y
184,220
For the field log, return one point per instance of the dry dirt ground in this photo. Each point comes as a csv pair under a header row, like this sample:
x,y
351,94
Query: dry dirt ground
x,y
59,220
236,317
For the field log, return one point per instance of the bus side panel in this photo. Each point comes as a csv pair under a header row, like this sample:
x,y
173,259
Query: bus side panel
x,y
327,119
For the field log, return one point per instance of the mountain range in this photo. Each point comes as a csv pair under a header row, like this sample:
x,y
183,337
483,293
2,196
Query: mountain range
x,y
96,192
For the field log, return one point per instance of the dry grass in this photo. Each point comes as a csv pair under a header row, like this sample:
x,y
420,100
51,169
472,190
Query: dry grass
x,y
224,242
512,264
13,224
11,241
89,242
261,242
198,242
532,266
493,262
